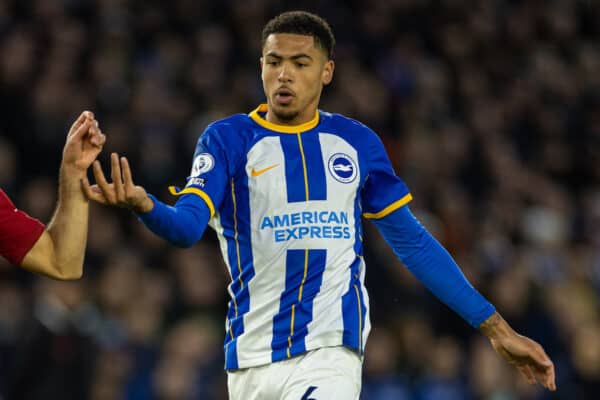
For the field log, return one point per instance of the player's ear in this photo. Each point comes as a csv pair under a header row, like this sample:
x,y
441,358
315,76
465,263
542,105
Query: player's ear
x,y
260,61
327,74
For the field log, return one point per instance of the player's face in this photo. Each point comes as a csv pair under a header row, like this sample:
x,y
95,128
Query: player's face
x,y
294,71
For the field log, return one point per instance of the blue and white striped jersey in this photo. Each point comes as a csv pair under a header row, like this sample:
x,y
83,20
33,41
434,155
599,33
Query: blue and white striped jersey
x,y
286,203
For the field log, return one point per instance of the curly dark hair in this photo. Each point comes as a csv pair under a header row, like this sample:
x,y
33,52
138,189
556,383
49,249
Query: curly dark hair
x,y
302,23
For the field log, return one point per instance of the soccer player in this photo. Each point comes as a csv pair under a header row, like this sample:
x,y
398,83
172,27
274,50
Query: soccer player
x,y
56,250
285,187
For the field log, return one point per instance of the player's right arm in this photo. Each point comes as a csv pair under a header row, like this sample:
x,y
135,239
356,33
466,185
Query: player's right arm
x,y
182,224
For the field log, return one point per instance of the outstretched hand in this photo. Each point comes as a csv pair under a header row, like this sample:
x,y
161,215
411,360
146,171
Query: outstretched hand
x,y
529,358
84,143
525,354
122,192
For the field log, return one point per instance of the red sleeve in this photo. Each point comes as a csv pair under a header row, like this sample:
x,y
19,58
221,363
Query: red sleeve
x,y
18,231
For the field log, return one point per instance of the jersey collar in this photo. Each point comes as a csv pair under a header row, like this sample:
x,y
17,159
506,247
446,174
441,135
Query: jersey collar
x,y
258,118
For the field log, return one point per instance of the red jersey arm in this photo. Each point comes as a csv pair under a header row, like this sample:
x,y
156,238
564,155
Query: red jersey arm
x,y
18,231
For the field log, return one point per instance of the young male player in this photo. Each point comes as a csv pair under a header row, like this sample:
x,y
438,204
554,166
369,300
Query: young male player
x,y
285,188
56,250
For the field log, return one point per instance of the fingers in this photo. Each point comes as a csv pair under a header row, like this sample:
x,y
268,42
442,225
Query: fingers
x,y
114,193
529,358
86,115
92,192
136,199
117,178
539,366
538,354
121,192
527,373
97,138
127,178
81,119
545,375
107,189
551,381
535,373
544,369
95,135
551,378
81,130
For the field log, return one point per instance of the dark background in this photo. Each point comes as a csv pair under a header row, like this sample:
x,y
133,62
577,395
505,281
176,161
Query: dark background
x,y
490,112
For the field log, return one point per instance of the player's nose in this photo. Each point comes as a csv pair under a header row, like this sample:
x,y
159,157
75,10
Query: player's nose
x,y
285,74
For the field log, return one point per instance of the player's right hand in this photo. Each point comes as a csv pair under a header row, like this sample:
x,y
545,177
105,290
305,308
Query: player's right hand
x,y
122,192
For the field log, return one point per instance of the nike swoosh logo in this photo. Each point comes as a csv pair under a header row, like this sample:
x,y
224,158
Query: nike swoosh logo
x,y
257,172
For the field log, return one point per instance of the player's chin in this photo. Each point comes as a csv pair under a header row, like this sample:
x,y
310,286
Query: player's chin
x,y
284,111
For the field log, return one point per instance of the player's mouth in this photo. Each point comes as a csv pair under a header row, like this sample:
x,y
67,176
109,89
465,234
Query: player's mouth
x,y
284,96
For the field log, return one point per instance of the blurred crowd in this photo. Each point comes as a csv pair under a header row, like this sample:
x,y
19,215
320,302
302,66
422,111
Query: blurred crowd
x,y
490,111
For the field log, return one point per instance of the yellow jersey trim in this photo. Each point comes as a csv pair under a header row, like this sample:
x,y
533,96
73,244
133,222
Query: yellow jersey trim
x,y
389,209
299,301
303,166
196,191
256,117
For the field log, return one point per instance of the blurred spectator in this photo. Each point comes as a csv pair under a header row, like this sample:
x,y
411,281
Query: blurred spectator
x,y
491,114
381,379
55,353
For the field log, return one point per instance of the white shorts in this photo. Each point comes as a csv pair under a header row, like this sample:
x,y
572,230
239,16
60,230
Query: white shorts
x,y
329,373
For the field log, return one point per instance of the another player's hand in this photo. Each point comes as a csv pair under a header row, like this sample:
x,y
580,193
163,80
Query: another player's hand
x,y
525,354
84,143
122,192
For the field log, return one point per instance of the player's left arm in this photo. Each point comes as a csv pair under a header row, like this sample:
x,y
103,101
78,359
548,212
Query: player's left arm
x,y
59,251
432,265
384,201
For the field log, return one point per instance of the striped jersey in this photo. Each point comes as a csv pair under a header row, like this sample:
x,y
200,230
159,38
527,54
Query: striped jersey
x,y
286,203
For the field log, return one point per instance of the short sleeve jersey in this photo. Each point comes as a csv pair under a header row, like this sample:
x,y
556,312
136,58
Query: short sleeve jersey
x,y
18,231
286,203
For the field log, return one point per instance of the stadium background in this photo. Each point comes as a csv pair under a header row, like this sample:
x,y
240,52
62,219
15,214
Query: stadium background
x,y
490,111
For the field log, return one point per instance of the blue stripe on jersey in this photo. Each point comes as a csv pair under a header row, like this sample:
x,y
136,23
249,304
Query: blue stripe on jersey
x,y
354,322
305,173
358,236
235,219
354,310
303,278
231,359
317,186
294,168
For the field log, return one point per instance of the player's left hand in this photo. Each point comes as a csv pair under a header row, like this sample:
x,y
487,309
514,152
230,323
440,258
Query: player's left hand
x,y
525,354
528,357
84,143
